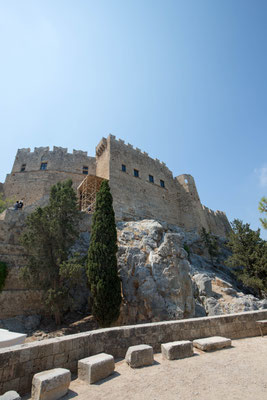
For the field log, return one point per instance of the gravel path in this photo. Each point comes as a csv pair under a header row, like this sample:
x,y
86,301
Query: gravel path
x,y
237,373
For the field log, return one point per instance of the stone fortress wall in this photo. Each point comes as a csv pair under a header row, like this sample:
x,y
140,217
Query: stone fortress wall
x,y
154,193
29,182
142,187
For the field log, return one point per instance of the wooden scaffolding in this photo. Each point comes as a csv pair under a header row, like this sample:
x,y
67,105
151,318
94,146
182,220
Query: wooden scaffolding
x,y
87,191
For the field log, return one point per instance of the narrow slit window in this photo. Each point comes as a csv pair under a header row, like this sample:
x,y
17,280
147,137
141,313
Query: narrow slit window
x,y
85,170
123,167
23,167
151,178
162,183
136,173
43,166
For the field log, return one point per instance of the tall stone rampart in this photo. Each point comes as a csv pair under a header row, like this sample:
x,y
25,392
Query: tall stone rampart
x,y
34,173
141,186
217,221
144,188
190,207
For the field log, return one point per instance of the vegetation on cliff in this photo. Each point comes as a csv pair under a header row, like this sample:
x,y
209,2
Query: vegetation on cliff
x,y
211,244
5,203
48,237
263,210
102,262
249,256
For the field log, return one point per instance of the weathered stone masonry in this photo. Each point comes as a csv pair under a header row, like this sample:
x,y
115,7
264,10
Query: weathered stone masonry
x,y
141,186
29,182
19,363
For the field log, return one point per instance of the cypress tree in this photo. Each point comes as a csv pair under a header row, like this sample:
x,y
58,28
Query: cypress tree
x,y
102,262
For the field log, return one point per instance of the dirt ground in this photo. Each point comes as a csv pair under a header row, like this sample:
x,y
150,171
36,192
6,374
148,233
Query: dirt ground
x,y
70,324
236,373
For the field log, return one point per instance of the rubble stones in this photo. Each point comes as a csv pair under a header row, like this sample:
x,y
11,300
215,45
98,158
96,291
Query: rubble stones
x,y
212,306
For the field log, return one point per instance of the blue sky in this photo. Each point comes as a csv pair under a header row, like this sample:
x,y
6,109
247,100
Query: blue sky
x,y
185,81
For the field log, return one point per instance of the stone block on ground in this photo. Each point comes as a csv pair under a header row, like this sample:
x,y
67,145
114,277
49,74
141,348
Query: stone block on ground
x,y
212,343
94,368
177,350
139,356
51,385
11,395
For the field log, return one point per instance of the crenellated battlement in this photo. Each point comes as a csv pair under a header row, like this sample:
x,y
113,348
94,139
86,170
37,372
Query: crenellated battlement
x,y
212,212
57,159
139,152
56,150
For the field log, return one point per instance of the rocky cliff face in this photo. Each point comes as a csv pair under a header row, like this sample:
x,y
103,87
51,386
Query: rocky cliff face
x,y
163,281
160,279
155,273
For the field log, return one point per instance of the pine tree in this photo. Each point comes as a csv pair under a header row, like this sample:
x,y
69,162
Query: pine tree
x,y
49,234
102,262
249,256
263,210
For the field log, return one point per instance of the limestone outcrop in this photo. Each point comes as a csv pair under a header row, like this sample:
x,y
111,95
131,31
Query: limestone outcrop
x,y
154,270
163,281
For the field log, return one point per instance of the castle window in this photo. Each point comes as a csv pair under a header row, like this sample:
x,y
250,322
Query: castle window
x,y
43,166
151,178
85,170
23,167
162,183
136,173
123,168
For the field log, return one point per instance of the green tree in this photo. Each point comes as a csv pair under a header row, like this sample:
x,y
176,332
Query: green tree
x,y
5,203
263,209
249,256
211,243
48,237
102,262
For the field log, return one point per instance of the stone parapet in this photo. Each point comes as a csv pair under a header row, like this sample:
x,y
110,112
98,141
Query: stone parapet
x,y
19,363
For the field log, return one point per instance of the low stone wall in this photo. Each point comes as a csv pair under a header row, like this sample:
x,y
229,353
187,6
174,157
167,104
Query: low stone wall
x,y
18,364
